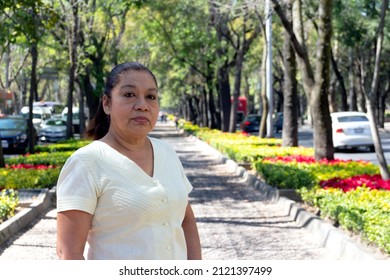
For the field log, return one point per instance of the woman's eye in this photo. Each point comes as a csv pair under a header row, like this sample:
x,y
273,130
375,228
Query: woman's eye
x,y
129,94
152,97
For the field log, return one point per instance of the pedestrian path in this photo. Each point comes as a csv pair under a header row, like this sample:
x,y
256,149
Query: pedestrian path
x,y
235,221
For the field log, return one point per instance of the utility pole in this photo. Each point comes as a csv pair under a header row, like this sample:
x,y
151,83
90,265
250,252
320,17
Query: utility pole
x,y
268,30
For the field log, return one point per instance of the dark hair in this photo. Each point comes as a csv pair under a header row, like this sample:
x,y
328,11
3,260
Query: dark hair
x,y
99,125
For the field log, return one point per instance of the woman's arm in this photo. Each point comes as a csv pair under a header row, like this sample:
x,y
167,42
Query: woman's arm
x,y
72,233
191,234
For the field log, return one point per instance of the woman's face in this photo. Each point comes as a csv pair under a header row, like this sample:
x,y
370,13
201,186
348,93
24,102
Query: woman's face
x,y
133,106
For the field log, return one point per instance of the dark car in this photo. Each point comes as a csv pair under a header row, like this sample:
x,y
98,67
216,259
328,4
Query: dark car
x,y
251,123
13,134
278,122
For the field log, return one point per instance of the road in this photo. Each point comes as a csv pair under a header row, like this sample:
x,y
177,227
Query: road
x,y
305,139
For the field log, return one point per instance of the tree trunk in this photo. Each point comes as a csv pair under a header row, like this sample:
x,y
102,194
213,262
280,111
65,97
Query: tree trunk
x,y
224,96
236,90
263,77
72,39
212,112
33,90
316,86
332,95
371,100
290,95
322,135
340,79
264,98
382,105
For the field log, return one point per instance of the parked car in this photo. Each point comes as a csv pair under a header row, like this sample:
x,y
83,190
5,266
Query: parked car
x,y
75,117
351,130
40,114
53,130
251,123
278,122
14,134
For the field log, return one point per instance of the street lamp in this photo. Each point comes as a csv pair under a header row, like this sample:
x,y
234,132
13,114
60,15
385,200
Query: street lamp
x,y
269,84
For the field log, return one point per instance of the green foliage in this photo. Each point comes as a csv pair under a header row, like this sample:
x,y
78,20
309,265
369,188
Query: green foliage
x,y
285,176
30,178
363,211
281,174
53,158
69,145
8,202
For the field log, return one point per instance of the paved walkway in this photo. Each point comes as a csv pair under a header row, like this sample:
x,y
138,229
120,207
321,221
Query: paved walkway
x,y
234,220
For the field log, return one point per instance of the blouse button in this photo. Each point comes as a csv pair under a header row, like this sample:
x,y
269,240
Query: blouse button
x,y
169,248
165,200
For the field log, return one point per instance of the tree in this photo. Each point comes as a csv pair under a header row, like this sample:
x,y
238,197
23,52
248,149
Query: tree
x,y
72,36
371,97
316,83
241,41
175,33
30,19
290,108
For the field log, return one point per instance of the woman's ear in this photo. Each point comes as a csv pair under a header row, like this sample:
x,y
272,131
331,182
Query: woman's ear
x,y
106,101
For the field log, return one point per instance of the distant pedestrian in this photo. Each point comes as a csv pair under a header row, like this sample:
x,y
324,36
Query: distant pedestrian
x,y
176,120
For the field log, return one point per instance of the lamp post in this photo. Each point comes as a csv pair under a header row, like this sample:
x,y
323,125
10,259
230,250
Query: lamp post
x,y
269,84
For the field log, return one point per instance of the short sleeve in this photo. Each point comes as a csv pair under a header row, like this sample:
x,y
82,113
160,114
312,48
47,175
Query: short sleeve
x,y
76,187
187,184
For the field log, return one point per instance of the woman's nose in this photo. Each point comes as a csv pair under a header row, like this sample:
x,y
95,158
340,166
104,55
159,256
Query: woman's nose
x,y
141,104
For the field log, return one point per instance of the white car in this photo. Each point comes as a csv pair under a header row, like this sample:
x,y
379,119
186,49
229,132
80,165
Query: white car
x,y
351,130
53,130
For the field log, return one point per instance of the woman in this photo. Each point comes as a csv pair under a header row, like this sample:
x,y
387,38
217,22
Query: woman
x,y
126,194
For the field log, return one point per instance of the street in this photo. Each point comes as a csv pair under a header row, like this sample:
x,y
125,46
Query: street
x,y
305,139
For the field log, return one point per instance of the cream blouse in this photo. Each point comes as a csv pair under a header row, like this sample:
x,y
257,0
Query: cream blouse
x,y
135,216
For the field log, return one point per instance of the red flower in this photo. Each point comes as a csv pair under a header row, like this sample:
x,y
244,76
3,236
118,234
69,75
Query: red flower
x,y
29,166
370,181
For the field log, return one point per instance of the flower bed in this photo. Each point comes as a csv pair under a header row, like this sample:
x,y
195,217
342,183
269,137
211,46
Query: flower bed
x,y
35,171
296,171
28,176
351,193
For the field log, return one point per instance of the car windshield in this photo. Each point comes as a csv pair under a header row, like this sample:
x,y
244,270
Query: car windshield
x,y
56,122
253,118
353,119
13,124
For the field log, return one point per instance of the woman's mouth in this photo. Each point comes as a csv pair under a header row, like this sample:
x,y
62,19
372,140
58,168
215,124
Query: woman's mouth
x,y
141,120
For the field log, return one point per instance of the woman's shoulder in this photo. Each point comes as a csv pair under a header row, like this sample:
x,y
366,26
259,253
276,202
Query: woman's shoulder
x,y
92,150
161,145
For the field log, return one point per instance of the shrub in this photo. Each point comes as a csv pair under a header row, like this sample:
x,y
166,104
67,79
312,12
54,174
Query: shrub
x,y
29,178
296,172
45,158
362,210
68,145
8,201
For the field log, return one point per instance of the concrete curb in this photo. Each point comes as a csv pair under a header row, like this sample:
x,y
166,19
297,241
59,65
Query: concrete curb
x,y
12,226
328,236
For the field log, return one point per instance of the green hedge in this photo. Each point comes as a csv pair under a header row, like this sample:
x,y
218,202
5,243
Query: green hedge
x,y
35,171
8,202
29,178
362,211
299,175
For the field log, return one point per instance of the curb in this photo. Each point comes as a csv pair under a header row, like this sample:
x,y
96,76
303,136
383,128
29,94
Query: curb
x,y
12,226
328,236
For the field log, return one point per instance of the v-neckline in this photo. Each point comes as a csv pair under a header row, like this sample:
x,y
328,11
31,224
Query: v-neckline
x,y
125,158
